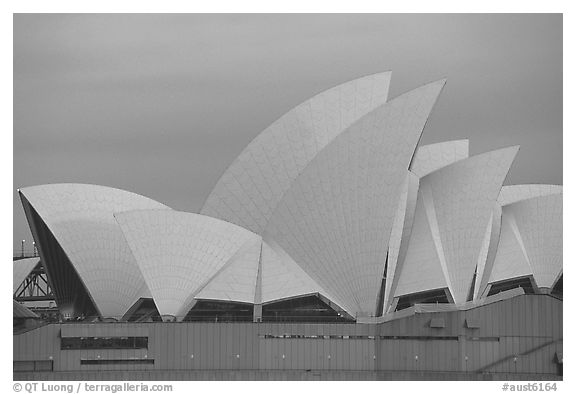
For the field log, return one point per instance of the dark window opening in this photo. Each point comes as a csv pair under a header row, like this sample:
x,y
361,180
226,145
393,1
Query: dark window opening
x,y
426,297
33,366
419,338
302,336
220,311
302,309
117,361
74,343
525,283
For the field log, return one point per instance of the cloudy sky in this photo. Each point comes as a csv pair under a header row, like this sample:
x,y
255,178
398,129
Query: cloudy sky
x,y
160,105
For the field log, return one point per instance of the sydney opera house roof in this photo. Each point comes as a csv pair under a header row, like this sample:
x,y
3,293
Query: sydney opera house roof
x,y
335,200
530,235
82,246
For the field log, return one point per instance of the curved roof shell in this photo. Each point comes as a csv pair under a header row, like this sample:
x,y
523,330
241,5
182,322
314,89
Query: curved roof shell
x,y
428,158
514,193
511,256
179,253
488,252
422,268
283,278
80,217
335,219
250,189
400,235
21,269
531,240
333,198
453,212
432,157
186,257
280,278
236,281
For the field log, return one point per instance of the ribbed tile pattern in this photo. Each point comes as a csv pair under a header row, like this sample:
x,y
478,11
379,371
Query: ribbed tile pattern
x,y
250,189
429,158
21,269
462,196
400,235
236,281
531,236
81,219
483,256
539,223
421,268
514,193
486,263
179,253
511,258
335,220
282,278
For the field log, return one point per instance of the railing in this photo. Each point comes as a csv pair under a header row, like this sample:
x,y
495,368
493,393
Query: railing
x,y
24,255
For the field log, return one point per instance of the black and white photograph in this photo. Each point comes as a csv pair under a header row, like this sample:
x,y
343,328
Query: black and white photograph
x,y
263,197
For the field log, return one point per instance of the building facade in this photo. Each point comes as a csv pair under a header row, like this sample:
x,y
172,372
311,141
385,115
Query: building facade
x,y
333,220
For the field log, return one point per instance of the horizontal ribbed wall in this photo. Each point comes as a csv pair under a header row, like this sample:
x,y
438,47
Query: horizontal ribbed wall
x,y
528,327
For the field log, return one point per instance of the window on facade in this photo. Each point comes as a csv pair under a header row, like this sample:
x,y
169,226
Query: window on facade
x,y
72,343
117,361
31,366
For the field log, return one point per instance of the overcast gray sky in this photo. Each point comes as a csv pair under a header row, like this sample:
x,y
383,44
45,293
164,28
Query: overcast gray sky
x,y
160,105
